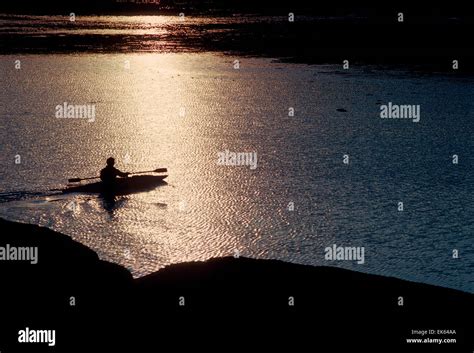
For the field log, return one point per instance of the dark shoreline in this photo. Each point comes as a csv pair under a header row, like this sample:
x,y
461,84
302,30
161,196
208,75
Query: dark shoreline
x,y
235,305
418,46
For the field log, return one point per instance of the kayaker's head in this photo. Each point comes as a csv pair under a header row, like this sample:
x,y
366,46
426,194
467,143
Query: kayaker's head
x,y
110,161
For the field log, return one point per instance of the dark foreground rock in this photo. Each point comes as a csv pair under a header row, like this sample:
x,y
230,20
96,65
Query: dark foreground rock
x,y
225,304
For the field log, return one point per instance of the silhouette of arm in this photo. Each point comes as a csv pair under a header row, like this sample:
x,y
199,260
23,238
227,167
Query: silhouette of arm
x,y
121,174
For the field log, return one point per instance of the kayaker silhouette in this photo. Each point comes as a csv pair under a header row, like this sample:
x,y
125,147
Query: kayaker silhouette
x,y
109,173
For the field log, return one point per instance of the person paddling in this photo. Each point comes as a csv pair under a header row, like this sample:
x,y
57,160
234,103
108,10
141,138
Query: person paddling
x,y
109,173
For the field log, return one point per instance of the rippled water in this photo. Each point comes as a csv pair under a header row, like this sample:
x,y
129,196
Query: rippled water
x,y
180,110
29,24
122,33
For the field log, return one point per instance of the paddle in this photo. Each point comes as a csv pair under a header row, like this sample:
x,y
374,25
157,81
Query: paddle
x,y
158,170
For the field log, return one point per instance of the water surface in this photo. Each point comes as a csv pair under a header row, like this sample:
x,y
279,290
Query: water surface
x,y
180,110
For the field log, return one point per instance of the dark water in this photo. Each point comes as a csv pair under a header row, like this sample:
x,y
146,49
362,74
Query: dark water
x,y
46,34
181,110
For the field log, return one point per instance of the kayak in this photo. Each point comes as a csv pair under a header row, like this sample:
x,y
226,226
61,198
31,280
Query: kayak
x,y
123,186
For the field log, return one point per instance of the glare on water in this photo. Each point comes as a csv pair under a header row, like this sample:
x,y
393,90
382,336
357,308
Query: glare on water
x,y
182,111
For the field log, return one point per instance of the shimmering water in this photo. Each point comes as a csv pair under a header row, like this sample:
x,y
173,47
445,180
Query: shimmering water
x,y
180,110
46,34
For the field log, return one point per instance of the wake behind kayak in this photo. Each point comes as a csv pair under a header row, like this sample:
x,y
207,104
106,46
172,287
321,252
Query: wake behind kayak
x,y
122,186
